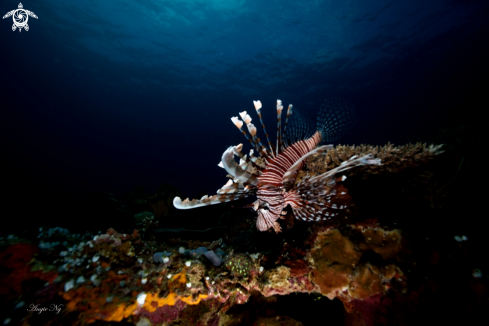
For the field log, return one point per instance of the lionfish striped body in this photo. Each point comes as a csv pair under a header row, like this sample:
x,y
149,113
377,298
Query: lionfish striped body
x,y
271,175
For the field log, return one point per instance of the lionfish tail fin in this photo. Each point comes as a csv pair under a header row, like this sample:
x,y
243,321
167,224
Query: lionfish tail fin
x,y
335,118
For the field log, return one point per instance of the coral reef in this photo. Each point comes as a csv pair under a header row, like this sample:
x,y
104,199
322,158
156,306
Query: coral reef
x,y
114,276
356,263
366,273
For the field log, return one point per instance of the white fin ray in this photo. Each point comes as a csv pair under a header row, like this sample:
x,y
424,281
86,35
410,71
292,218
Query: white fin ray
x,y
234,169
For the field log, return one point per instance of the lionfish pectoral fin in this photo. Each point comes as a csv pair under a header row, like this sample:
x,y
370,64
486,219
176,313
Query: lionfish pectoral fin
x,y
223,195
231,167
256,205
194,203
289,176
317,198
266,220
234,189
346,165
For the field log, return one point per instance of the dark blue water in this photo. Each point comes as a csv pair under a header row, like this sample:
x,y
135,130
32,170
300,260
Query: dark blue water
x,y
108,95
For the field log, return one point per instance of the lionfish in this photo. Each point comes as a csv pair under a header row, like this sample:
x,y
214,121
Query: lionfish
x,y
271,175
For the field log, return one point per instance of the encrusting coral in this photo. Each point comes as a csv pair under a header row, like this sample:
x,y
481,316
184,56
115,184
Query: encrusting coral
x,y
239,264
355,263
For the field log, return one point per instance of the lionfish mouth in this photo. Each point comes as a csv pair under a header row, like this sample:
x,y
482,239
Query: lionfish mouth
x,y
271,174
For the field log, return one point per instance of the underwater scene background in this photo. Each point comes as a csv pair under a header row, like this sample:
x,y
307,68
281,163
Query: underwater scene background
x,y
111,109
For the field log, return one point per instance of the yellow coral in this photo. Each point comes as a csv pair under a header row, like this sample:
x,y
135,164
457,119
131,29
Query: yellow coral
x,y
92,302
153,301
190,300
122,311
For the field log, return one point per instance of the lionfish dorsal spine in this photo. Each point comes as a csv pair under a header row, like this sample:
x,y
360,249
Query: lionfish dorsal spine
x,y
279,126
258,107
252,130
289,113
239,124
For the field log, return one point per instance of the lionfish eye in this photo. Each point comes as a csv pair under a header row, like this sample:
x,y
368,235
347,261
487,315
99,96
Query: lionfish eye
x,y
315,184
265,206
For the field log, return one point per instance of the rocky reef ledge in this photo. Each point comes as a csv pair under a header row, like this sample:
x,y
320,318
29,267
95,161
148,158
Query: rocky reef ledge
x,y
116,277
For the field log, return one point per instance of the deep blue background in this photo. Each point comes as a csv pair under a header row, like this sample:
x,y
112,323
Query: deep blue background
x,y
107,95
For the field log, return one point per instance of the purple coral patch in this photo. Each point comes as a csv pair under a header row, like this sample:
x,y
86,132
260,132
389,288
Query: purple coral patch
x,y
215,260
158,257
165,313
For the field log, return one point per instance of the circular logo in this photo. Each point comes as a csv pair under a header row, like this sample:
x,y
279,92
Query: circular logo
x,y
20,18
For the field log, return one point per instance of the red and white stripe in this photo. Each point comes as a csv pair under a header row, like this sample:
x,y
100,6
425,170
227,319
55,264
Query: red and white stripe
x,y
276,167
